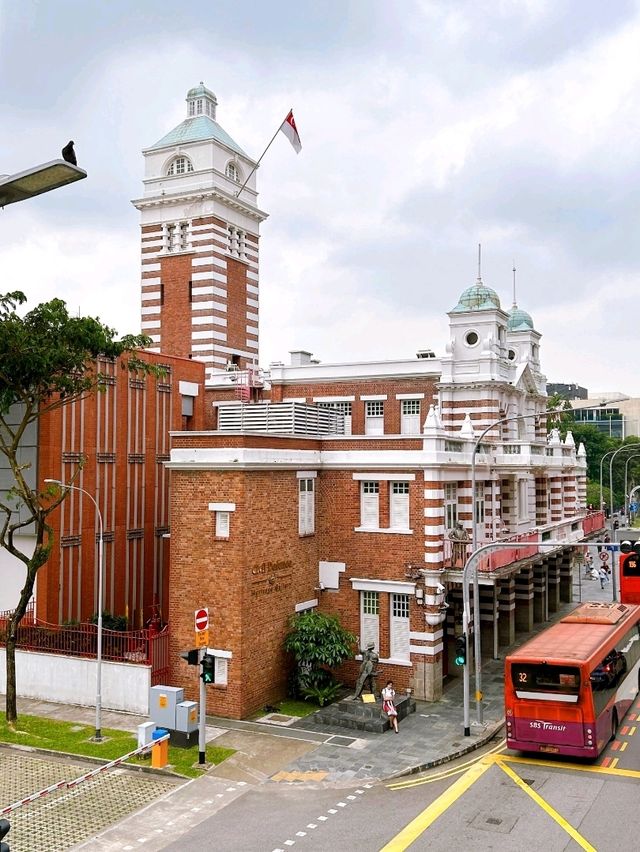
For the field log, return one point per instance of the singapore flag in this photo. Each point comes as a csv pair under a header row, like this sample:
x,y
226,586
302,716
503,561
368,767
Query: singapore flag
x,y
290,130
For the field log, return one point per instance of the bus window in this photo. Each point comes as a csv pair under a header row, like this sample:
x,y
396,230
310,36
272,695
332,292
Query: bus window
x,y
541,680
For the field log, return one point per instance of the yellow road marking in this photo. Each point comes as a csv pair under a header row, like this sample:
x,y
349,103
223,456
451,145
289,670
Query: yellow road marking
x,y
430,814
632,730
580,840
623,746
446,773
574,767
614,763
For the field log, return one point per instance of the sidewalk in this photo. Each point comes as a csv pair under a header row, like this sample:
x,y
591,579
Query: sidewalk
x,y
318,754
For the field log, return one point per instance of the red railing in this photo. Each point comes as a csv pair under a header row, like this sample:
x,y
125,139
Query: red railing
x,y
149,646
593,521
28,618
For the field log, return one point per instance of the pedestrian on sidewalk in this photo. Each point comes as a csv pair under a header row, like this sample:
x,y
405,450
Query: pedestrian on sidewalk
x,y
604,576
588,565
388,704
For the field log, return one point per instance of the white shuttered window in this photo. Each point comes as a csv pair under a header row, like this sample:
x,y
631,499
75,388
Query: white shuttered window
x,y
399,506
400,627
370,619
374,417
306,507
370,505
410,417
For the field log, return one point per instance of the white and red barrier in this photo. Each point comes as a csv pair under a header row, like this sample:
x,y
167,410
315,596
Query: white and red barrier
x,y
86,777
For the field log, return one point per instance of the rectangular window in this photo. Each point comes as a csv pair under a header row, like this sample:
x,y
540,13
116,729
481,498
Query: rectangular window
x,y
221,673
410,417
222,524
369,619
450,505
171,236
374,417
306,507
184,235
199,107
399,506
399,627
479,503
370,505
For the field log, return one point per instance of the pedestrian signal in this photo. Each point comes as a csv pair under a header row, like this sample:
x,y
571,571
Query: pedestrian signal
x,y
461,650
190,656
208,664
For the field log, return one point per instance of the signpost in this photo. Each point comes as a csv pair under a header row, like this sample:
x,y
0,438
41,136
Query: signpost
x,y
201,623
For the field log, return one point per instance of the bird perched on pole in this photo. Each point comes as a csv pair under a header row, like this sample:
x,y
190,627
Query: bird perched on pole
x,y
69,154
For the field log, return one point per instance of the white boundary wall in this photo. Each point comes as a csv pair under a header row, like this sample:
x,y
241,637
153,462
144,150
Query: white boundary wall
x,y
72,680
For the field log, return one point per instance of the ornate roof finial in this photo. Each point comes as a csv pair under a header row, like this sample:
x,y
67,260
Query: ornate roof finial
x,y
515,304
479,263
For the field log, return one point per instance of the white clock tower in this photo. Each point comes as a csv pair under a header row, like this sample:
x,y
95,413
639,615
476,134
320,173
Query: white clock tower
x,y
200,235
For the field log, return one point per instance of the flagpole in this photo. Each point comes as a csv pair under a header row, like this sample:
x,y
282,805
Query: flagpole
x,y
260,158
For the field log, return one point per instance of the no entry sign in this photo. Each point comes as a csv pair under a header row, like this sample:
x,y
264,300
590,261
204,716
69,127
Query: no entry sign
x,y
202,619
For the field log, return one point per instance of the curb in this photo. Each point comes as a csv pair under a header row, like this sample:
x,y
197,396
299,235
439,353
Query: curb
x,y
454,755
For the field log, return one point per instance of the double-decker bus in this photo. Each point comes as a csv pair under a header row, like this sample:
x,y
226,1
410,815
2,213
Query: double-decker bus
x,y
568,688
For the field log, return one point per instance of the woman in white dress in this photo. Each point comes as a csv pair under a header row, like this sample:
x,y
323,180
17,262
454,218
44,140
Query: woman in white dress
x,y
388,704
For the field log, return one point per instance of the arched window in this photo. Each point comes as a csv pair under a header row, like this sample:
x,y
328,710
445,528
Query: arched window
x,y
232,172
179,166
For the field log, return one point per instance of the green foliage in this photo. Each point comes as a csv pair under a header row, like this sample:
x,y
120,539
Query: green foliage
x,y
319,640
322,695
318,643
111,622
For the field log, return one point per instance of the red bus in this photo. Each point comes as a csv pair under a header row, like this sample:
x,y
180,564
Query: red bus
x,y
567,689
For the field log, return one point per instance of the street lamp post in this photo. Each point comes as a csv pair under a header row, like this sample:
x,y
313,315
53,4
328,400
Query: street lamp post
x,y
611,461
477,650
98,731
472,562
626,479
38,179
610,452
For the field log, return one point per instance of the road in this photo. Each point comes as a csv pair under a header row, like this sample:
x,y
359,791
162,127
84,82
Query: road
x,y
495,800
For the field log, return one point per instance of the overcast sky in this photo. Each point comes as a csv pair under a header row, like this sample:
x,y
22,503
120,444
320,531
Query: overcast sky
x,y
427,126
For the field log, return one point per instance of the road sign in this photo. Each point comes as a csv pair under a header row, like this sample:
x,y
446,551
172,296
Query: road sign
x,y
202,638
604,556
202,619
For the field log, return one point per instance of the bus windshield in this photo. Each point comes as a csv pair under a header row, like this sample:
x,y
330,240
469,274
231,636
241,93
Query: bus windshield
x,y
528,678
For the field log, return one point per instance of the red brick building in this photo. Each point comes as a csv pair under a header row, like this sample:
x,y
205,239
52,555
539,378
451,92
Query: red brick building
x,y
340,490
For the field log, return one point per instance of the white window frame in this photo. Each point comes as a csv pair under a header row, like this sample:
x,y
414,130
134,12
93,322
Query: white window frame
x,y
306,506
223,524
370,619
179,166
374,417
399,506
409,416
450,504
344,408
369,489
399,627
523,493
232,172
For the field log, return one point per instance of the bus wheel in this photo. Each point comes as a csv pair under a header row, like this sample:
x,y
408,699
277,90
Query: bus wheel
x,y
614,725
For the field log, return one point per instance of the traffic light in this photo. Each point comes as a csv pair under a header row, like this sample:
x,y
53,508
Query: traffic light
x,y
208,663
461,650
4,830
190,656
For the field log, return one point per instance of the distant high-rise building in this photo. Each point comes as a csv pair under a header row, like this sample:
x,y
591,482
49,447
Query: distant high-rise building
x,y
200,241
567,391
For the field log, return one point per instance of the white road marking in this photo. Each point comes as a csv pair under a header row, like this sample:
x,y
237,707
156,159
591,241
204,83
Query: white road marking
x,y
332,811
311,825
301,833
323,818
342,804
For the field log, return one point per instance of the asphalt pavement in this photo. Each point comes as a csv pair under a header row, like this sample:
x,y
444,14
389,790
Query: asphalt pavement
x,y
302,754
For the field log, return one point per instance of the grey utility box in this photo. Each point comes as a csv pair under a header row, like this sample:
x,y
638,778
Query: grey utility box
x,y
187,717
163,701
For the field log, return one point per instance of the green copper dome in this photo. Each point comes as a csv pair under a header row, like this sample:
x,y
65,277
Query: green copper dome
x,y
519,320
479,297
201,91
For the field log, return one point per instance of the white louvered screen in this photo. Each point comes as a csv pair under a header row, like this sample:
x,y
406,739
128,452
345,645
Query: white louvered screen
x,y
369,619
399,505
370,505
400,627
221,670
222,524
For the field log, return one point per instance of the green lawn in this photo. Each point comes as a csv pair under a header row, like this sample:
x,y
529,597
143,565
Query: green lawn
x,y
76,739
290,707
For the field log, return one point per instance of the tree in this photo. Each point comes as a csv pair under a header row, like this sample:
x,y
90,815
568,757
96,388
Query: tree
x,y
47,359
319,643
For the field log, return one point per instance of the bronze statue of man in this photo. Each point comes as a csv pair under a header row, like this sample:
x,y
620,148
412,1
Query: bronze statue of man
x,y
368,670
459,539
